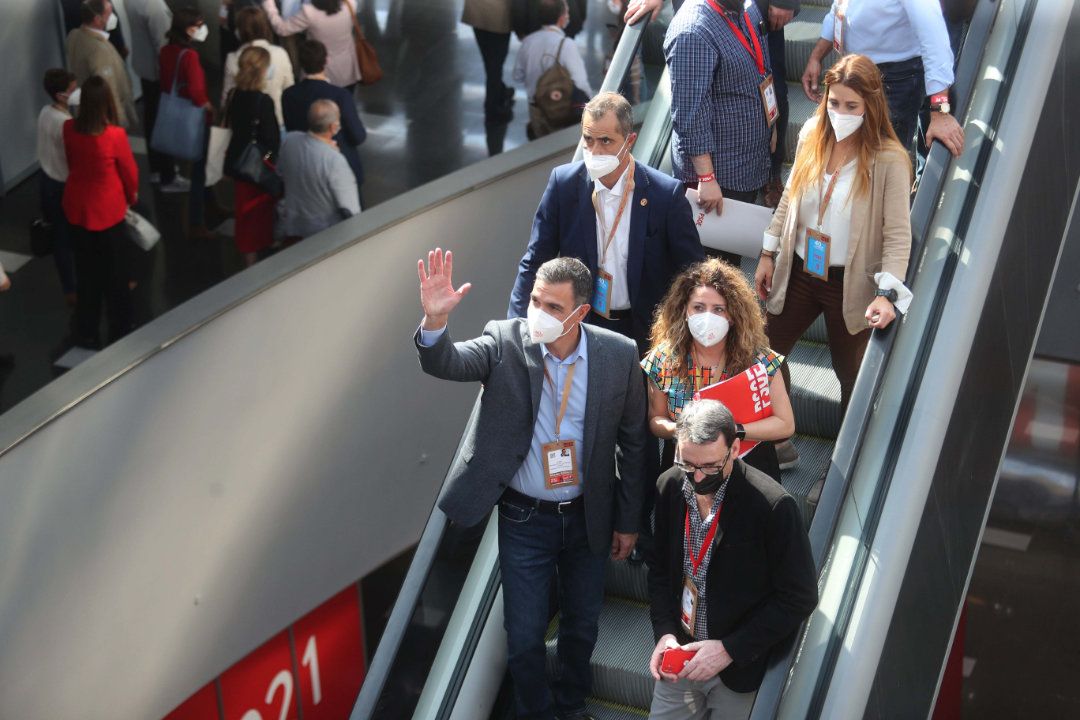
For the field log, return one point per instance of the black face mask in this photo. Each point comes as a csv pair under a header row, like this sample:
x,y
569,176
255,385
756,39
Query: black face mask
x,y
711,483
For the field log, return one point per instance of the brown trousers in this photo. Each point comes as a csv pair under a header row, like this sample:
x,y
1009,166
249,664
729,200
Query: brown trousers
x,y
807,297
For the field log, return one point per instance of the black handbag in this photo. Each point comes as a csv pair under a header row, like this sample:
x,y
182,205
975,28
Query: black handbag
x,y
41,237
256,165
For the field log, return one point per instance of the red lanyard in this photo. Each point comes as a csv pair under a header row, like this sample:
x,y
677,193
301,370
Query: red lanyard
x,y
695,562
755,52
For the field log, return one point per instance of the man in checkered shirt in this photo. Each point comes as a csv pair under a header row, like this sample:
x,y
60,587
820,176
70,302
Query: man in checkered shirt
x,y
731,574
718,57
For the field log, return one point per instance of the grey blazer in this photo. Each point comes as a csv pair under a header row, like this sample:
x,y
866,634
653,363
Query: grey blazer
x,y
497,438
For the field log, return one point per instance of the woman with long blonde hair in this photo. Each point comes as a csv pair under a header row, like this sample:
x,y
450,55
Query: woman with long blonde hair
x,y
841,236
710,328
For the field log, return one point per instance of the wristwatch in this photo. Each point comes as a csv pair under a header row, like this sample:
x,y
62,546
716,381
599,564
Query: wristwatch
x,y
940,103
768,254
740,431
890,294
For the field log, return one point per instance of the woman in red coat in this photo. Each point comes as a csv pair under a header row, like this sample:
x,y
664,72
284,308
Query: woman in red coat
x,y
103,181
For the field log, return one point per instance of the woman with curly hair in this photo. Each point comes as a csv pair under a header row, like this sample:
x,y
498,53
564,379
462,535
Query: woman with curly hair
x,y
710,328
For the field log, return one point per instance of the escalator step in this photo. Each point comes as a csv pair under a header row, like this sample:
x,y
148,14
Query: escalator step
x,y
800,108
602,710
625,581
815,395
620,662
814,456
817,332
800,37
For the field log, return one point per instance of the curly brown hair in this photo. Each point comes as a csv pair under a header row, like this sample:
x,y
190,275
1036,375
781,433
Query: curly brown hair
x,y
746,337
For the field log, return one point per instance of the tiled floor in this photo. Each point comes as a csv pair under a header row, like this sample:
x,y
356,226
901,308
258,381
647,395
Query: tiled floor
x,y
424,120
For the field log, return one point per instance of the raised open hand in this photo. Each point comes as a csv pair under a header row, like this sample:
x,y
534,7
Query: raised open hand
x,y
437,294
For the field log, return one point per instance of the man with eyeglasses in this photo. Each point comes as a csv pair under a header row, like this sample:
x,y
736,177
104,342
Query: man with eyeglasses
x,y
730,576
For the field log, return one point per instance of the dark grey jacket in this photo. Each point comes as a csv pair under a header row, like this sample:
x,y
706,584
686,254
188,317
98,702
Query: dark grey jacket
x,y
497,438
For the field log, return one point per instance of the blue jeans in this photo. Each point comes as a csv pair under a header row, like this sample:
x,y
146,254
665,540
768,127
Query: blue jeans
x,y
905,90
536,548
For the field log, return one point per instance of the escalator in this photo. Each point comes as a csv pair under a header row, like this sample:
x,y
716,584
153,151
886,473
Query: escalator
x,y
910,472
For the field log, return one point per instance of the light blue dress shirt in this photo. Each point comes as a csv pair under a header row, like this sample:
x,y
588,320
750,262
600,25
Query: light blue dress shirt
x,y
529,478
894,30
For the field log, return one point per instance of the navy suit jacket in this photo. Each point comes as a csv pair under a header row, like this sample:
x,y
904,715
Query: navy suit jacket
x,y
295,102
663,237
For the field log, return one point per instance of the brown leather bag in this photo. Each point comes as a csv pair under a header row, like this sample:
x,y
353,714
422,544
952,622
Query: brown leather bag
x,y
370,69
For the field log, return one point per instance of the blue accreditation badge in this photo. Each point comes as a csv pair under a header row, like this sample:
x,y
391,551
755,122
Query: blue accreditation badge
x,y
817,254
601,301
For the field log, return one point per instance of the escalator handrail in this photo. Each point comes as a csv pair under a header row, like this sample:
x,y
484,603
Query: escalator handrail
x,y
875,362
420,568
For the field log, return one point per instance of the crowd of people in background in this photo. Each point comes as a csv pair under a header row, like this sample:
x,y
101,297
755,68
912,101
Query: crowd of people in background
x,y
300,124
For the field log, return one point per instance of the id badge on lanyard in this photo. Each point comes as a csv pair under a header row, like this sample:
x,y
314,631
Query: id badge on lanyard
x,y
753,46
602,287
818,242
688,606
839,19
560,456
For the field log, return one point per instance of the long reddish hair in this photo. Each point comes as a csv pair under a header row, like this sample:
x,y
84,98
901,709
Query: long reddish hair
x,y
860,74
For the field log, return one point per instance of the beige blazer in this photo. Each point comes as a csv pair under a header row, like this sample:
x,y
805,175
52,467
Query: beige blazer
x,y
92,54
880,238
279,77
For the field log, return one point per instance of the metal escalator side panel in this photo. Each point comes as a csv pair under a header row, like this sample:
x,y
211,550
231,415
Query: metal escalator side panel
x,y
959,268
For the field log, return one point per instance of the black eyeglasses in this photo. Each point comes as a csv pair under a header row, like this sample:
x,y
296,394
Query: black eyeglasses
x,y
706,470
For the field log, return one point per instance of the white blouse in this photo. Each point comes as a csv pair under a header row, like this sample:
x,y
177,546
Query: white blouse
x,y
50,142
837,221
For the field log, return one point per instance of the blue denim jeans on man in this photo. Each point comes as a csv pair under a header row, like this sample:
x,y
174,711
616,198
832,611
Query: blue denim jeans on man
x,y
535,549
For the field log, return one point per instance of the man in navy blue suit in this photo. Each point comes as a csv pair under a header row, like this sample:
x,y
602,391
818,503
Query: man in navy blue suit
x,y
630,224
296,100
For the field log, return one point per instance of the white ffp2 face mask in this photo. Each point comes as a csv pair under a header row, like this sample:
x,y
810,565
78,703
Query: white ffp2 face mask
x,y
201,33
545,328
601,165
844,125
112,22
708,328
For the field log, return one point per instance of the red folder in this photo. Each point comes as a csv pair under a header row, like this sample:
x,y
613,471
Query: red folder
x,y
747,397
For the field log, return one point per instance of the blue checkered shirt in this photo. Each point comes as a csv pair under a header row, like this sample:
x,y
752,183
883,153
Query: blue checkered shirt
x,y
699,528
716,106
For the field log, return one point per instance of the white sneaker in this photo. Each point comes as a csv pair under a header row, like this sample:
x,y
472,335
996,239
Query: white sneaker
x,y
180,184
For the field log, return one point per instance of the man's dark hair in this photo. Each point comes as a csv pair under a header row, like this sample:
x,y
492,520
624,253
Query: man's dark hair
x,y
568,270
57,80
704,421
182,19
90,9
312,57
548,12
97,107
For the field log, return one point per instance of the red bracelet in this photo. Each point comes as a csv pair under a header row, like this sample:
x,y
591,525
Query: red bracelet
x,y
706,178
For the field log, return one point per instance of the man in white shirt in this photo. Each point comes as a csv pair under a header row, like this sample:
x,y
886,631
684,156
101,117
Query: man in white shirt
x,y
630,224
148,21
909,42
59,86
541,50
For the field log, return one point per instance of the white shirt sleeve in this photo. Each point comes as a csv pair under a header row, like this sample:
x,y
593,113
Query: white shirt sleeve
x,y
576,67
770,243
430,337
928,22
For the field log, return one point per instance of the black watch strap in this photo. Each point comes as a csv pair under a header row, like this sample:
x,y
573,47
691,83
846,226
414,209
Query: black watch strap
x,y
740,431
890,294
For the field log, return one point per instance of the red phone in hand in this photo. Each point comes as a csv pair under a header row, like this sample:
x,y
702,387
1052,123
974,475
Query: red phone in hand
x,y
674,659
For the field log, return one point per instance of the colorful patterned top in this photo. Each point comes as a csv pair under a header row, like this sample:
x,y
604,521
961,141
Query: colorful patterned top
x,y
657,366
